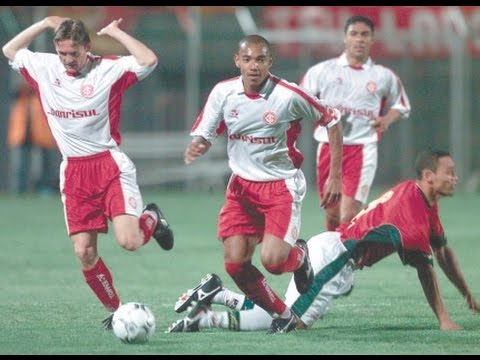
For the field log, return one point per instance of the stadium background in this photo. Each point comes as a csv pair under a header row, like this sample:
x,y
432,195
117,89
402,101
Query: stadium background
x,y
434,49
44,305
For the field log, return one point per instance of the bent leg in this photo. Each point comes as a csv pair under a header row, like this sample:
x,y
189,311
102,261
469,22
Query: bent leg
x,y
238,252
329,258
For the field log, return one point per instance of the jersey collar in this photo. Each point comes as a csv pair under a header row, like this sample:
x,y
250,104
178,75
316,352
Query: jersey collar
x,y
343,62
263,91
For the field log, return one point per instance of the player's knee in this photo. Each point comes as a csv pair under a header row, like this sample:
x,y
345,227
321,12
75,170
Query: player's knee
x,y
129,243
86,255
347,216
332,221
273,261
350,211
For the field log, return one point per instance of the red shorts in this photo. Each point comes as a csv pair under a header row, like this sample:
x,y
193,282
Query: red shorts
x,y
255,208
359,163
97,188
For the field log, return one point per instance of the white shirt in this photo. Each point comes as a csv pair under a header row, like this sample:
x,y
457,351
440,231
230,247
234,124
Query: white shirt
x,y
361,94
262,130
83,111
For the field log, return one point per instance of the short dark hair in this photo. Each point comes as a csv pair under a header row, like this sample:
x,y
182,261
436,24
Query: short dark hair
x,y
74,30
255,39
428,159
359,18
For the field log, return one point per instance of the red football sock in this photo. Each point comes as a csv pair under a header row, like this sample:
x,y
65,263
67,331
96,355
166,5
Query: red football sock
x,y
147,225
254,285
100,281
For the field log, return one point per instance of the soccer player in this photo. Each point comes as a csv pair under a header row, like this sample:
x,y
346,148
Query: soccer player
x,y
81,95
405,219
370,97
262,116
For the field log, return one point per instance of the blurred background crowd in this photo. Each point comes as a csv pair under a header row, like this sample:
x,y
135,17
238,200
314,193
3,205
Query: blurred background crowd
x,y
435,50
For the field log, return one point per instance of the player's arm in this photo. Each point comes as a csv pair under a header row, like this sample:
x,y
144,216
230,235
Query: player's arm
x,y
23,39
142,54
397,103
431,289
333,185
208,125
196,148
382,123
449,264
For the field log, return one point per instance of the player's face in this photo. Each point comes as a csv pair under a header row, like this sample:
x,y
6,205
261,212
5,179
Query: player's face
x,y
72,55
358,41
254,62
445,178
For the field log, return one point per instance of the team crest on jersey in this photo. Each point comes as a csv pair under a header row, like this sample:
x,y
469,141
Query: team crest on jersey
x,y
132,202
371,87
294,232
270,118
234,113
86,91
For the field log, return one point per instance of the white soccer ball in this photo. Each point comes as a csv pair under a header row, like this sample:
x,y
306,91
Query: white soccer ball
x,y
133,323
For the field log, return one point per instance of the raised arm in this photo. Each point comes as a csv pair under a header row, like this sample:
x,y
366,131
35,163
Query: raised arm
x,y
144,55
25,38
430,286
449,264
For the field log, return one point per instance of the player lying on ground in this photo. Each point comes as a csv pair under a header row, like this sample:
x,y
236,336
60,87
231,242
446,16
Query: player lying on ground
x,y
405,220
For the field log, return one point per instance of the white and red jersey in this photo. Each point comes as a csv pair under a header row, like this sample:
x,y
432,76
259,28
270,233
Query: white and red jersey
x,y
404,207
360,93
83,111
262,129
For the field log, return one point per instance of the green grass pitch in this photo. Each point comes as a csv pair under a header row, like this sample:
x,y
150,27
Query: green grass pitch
x,y
46,307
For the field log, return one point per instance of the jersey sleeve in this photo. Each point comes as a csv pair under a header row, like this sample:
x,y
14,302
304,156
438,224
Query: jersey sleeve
x,y
33,62
308,106
129,63
397,98
209,122
414,258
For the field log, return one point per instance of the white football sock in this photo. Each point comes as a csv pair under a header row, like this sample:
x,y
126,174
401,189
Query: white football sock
x,y
229,298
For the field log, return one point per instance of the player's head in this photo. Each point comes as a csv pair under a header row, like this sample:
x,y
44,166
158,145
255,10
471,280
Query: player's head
x,y
358,37
72,42
254,59
435,169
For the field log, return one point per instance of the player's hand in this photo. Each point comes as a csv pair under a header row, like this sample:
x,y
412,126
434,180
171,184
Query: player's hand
x,y
332,193
380,124
114,25
54,22
195,149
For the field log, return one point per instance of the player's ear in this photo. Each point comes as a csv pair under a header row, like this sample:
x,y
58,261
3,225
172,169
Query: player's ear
x,y
428,175
236,60
270,61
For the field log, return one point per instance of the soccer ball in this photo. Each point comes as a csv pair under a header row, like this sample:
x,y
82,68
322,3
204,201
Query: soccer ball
x,y
133,323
